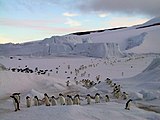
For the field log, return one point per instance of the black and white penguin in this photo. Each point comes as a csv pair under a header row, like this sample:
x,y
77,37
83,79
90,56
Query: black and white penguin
x,y
77,100
28,101
97,98
67,83
62,99
128,104
124,96
17,96
69,100
46,99
15,102
53,101
36,101
88,99
107,98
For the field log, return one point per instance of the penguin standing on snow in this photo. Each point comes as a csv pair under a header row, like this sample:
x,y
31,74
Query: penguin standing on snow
x,y
17,96
36,101
128,104
88,99
69,100
97,98
28,101
46,99
53,101
15,102
61,99
107,98
76,100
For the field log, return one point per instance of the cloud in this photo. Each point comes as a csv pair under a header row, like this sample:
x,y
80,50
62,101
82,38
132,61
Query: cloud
x,y
31,24
147,7
69,14
72,22
124,22
102,15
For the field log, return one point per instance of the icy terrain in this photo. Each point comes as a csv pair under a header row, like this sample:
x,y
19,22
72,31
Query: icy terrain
x,y
130,57
113,42
137,75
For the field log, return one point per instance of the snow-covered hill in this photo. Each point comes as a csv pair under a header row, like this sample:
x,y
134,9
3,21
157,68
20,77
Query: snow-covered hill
x,y
137,39
140,79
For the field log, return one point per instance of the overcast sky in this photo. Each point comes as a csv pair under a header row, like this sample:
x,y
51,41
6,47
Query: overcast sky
x,y
28,20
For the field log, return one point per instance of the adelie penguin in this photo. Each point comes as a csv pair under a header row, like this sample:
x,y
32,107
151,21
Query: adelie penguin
x,y
28,101
46,100
36,101
17,96
61,99
88,99
77,100
97,98
128,104
69,100
15,102
53,101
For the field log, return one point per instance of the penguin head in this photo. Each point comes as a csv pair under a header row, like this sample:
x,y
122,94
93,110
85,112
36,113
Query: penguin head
x,y
108,79
107,96
36,97
52,97
88,94
27,97
12,96
45,94
16,94
60,94
77,95
97,94
68,95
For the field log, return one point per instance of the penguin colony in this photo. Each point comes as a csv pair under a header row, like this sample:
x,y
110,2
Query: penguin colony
x,y
68,99
73,100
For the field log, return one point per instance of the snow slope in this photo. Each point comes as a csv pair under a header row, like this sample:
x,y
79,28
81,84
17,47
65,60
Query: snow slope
x,y
140,79
110,111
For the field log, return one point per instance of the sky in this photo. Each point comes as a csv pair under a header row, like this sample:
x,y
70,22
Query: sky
x,y
30,20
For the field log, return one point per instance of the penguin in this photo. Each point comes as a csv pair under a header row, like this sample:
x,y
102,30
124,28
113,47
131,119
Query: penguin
x,y
107,98
67,83
53,101
28,101
76,100
46,100
61,99
97,98
69,100
15,102
88,99
117,94
124,96
113,85
36,101
17,96
128,104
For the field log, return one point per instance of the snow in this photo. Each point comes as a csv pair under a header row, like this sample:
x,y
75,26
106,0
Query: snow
x,y
92,112
149,44
131,40
109,55
141,82
152,21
